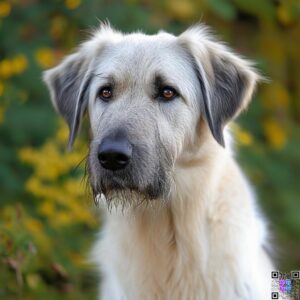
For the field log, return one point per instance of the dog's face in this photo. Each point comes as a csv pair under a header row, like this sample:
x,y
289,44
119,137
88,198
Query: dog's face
x,y
145,96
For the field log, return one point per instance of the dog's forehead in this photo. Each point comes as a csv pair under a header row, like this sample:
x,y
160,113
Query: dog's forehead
x,y
136,53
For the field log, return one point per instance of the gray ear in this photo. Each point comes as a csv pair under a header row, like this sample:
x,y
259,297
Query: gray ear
x,y
68,84
226,94
227,81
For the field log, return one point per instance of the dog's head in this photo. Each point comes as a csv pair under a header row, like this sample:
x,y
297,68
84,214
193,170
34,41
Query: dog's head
x,y
146,96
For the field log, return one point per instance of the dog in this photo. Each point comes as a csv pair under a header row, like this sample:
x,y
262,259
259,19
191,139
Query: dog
x,y
181,220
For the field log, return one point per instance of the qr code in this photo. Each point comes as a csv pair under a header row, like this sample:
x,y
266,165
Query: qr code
x,y
285,286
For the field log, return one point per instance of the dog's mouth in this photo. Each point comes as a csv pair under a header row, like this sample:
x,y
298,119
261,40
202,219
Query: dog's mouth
x,y
116,189
119,188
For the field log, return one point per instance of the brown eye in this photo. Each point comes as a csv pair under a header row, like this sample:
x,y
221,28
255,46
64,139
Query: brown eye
x,y
168,93
105,93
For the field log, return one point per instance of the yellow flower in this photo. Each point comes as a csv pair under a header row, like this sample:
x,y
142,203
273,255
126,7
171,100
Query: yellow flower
x,y
72,4
33,225
181,9
33,280
2,112
62,133
74,187
47,208
63,218
1,88
14,66
58,25
61,201
6,68
77,259
243,136
34,186
276,96
35,228
45,57
8,216
19,64
25,154
275,133
5,9
284,14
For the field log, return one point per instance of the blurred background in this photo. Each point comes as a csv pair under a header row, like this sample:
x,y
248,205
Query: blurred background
x,y
47,218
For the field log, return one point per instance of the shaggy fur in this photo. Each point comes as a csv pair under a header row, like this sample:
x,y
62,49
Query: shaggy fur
x,y
181,219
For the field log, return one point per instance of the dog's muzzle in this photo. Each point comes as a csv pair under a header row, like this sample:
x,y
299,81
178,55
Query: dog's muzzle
x,y
122,165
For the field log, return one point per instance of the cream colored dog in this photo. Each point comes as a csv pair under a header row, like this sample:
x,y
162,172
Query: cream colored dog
x,y
181,220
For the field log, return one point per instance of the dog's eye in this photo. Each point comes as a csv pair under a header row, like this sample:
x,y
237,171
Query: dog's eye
x,y
168,93
105,93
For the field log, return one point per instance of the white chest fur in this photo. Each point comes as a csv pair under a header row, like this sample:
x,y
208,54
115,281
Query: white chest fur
x,y
207,247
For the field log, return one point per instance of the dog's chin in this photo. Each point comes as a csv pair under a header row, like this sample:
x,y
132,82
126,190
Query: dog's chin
x,y
128,187
126,198
125,195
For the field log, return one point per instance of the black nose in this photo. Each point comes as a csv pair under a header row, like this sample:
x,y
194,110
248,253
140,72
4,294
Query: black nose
x,y
114,153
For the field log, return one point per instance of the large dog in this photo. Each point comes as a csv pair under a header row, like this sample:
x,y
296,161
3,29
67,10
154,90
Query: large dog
x,y
181,220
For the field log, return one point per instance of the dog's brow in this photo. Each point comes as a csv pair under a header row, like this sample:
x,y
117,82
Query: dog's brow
x,y
161,80
101,75
108,78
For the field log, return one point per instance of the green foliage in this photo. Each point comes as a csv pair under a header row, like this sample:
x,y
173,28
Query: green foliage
x,y
46,224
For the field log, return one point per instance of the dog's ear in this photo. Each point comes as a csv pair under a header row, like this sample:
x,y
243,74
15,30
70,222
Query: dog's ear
x,y
68,83
227,81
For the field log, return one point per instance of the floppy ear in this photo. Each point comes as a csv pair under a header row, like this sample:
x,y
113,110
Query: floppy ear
x,y
227,81
68,84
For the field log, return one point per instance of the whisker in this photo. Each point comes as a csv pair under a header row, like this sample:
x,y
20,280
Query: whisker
x,y
78,165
